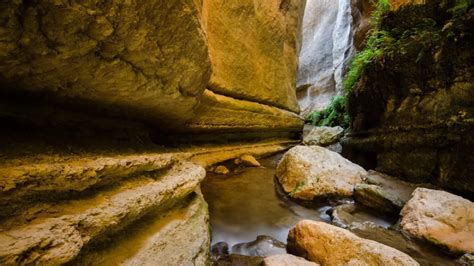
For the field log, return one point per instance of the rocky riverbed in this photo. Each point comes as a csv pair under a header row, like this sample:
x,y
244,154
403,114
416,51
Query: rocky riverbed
x,y
255,221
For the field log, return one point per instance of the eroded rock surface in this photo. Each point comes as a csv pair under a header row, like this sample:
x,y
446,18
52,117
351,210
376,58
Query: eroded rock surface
x,y
306,172
56,233
330,245
441,218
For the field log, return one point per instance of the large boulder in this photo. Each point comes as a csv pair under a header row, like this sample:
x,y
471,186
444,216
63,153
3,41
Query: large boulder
x,y
441,218
254,48
383,192
307,172
330,245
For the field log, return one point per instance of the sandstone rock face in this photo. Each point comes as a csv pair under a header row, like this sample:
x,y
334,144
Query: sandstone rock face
x,y
218,113
323,136
144,60
286,260
383,192
330,245
416,123
258,60
325,53
58,232
183,241
150,62
306,172
441,218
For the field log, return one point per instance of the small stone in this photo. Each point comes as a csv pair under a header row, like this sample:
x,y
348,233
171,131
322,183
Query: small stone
x,y
440,217
221,170
220,248
308,172
287,260
247,160
322,136
263,246
330,245
466,260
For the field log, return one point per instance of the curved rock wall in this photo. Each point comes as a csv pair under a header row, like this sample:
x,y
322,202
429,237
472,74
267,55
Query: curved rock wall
x,y
326,51
151,61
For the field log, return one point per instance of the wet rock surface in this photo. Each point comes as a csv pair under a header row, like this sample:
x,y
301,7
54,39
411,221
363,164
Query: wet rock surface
x,y
441,218
263,246
330,245
308,172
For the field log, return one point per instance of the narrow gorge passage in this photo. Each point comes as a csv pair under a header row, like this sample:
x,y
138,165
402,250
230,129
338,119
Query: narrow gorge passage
x,y
237,132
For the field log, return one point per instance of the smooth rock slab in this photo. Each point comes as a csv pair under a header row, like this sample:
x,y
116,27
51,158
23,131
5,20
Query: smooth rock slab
x,y
330,245
287,260
383,192
306,172
441,218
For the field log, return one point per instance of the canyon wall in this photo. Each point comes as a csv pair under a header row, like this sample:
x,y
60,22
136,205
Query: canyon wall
x,y
412,109
332,30
112,110
152,61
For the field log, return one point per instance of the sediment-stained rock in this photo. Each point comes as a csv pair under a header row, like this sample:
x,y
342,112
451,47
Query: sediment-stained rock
x,y
330,245
441,218
306,172
258,58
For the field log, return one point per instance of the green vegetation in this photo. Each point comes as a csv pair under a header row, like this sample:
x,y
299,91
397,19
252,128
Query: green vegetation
x,y
335,114
412,35
297,188
373,48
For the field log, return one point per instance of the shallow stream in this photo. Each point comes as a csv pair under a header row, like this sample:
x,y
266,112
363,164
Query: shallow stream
x,y
249,202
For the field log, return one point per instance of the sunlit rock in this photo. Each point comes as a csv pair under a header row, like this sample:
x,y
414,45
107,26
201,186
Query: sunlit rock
x,y
308,172
258,58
